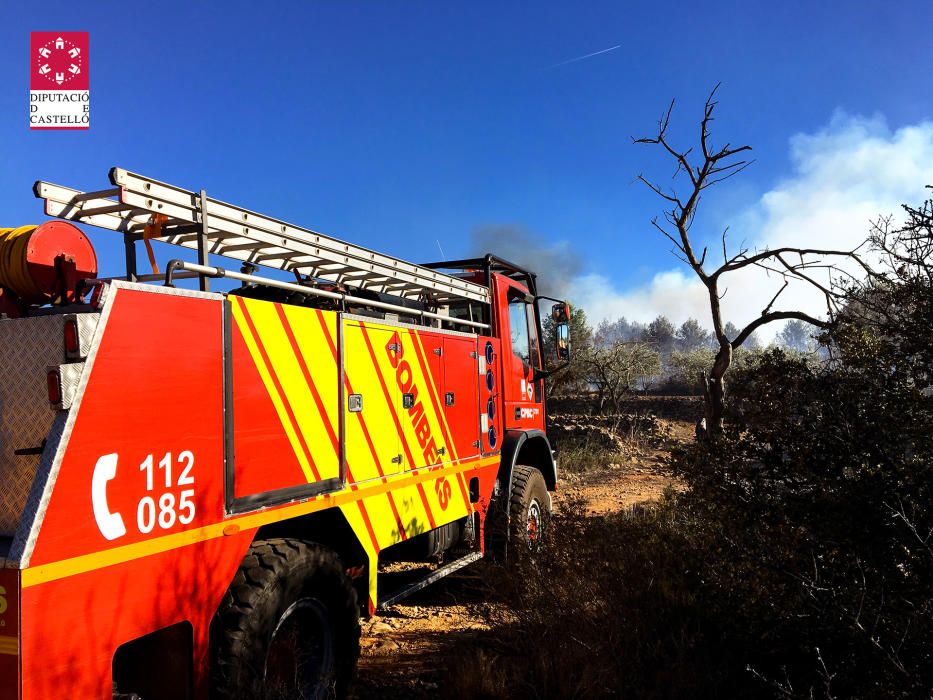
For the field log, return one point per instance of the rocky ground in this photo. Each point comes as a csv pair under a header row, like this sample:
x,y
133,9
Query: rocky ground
x,y
403,648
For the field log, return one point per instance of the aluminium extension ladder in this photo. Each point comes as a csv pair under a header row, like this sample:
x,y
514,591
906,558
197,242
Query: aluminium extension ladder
x,y
194,220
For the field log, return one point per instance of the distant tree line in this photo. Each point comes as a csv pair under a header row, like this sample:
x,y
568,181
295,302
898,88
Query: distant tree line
x,y
620,356
663,335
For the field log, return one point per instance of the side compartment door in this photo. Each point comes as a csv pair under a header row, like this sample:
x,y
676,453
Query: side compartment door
x,y
372,402
284,384
461,396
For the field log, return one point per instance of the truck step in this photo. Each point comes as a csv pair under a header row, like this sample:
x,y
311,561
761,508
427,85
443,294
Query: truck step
x,y
435,575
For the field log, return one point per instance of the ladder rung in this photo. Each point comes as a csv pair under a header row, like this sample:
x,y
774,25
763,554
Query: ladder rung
x,y
111,209
368,276
287,255
239,246
99,194
183,237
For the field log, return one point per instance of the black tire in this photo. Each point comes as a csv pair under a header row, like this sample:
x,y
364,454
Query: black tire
x,y
529,507
288,626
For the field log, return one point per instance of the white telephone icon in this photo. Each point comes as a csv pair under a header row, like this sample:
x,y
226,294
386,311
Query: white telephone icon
x,y
110,524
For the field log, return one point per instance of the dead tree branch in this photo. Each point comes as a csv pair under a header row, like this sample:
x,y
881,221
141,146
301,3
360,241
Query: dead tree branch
x,y
711,166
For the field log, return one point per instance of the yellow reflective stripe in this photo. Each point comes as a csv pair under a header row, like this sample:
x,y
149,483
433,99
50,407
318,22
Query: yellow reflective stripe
x,y
364,461
296,392
264,373
54,571
9,645
324,371
414,506
361,371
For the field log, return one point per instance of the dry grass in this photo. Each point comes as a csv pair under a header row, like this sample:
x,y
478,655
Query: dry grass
x,y
588,458
607,609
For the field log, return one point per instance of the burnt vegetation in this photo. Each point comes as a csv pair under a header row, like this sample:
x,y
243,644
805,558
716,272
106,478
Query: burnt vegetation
x,y
797,561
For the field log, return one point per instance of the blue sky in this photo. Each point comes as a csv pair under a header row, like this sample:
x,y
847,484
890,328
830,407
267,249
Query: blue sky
x,y
395,125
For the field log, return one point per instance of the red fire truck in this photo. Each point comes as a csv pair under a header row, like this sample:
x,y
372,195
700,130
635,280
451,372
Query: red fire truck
x,y
197,487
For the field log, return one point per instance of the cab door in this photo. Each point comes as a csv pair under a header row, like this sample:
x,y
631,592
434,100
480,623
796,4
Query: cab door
x,y
521,356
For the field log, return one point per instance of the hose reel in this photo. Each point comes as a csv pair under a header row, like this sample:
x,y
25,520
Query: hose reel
x,y
43,264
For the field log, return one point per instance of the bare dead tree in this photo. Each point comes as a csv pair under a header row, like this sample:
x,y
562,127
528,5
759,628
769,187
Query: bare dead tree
x,y
906,249
710,167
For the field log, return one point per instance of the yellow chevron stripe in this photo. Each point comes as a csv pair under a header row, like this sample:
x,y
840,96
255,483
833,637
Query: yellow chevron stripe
x,y
434,405
284,365
54,571
370,368
355,520
318,358
411,505
296,392
361,371
253,347
451,444
436,396
9,645
376,414
422,383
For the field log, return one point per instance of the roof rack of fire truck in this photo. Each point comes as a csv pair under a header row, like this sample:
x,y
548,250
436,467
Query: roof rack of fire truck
x,y
491,263
194,220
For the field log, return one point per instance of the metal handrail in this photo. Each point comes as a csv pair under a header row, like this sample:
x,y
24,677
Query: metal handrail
x,y
220,272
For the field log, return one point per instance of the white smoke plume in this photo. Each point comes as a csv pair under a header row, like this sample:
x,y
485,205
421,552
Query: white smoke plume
x,y
843,177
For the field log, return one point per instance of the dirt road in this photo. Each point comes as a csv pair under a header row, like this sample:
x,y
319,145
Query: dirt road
x,y
403,649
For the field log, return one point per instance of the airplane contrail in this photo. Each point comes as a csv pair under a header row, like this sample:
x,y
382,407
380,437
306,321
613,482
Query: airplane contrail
x,y
589,55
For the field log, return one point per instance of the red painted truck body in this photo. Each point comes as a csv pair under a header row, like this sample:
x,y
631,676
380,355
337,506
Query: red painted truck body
x,y
139,468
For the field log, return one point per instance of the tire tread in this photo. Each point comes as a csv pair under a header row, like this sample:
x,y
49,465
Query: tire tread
x,y
240,622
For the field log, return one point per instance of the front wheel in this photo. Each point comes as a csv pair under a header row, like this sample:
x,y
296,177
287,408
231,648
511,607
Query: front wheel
x,y
529,507
288,626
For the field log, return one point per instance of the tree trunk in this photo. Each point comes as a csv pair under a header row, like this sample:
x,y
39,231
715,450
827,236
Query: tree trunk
x,y
714,394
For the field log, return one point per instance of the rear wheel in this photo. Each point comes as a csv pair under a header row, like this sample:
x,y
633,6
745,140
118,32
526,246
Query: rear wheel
x,y
529,507
288,626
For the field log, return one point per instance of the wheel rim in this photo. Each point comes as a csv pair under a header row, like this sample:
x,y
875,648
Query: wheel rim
x,y
533,524
300,658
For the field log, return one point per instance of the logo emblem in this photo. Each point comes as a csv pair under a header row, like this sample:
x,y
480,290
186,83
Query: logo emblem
x,y
60,60
58,80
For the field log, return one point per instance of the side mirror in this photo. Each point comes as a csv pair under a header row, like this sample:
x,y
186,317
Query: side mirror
x,y
560,313
560,323
563,341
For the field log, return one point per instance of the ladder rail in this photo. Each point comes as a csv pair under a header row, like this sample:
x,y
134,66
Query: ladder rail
x,y
245,235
